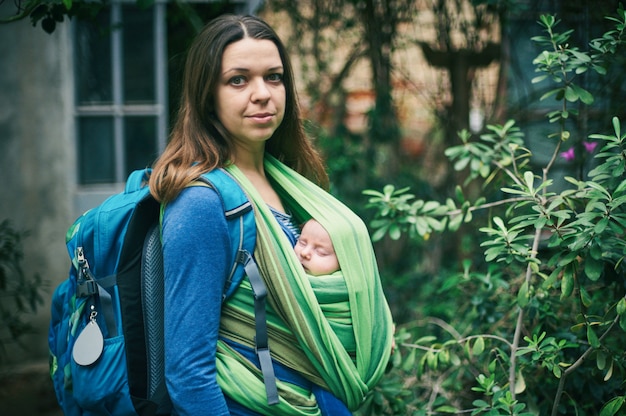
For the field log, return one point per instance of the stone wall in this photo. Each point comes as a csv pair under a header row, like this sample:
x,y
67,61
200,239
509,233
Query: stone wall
x,y
36,158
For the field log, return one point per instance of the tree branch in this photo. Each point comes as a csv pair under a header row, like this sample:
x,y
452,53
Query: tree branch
x,y
573,367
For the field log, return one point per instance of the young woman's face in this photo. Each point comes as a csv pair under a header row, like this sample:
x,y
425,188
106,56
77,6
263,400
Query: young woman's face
x,y
250,95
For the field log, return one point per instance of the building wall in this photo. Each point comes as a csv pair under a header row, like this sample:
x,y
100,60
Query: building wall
x,y
36,157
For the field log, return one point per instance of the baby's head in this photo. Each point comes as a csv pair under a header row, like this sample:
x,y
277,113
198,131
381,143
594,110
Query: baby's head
x,y
315,250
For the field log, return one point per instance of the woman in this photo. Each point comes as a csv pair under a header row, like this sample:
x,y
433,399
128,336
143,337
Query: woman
x,y
239,111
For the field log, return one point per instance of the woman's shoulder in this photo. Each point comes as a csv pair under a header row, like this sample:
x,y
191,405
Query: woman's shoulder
x,y
196,200
196,214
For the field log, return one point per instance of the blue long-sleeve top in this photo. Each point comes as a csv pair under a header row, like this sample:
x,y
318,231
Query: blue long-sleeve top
x,y
196,249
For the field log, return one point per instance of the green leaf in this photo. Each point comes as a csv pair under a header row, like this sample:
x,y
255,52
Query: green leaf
x,y
570,94
514,191
458,191
529,178
601,360
379,234
498,221
372,193
547,20
567,283
599,69
479,346
593,268
616,126
426,339
468,350
431,360
567,259
601,226
520,383
447,409
552,278
455,222
609,373
592,337
395,232
550,93
455,360
409,362
522,295
612,406
584,95
492,254
584,297
444,356
595,251
621,307
582,57
461,164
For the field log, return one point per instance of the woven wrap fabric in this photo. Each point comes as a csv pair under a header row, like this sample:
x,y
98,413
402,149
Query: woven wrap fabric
x,y
348,367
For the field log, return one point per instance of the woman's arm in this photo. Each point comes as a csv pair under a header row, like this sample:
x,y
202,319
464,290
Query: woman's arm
x,y
196,249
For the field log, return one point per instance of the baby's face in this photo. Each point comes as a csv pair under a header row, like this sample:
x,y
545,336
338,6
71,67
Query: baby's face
x,y
315,250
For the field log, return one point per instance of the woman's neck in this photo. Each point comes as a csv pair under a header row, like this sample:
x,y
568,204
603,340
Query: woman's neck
x,y
250,161
255,173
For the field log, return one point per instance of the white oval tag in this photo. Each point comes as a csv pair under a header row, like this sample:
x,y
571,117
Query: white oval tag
x,y
89,345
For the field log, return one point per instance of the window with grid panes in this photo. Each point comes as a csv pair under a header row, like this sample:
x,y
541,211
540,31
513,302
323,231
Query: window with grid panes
x,y
121,89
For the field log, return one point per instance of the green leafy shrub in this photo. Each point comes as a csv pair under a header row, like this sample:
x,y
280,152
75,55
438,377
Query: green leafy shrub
x,y
537,326
19,294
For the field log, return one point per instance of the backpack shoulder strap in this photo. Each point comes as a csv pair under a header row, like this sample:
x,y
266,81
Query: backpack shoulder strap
x,y
235,201
240,219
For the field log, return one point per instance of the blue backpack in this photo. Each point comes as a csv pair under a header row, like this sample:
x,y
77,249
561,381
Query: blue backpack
x,y
106,328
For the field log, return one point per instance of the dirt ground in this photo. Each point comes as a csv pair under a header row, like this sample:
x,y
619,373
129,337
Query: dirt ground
x,y
28,392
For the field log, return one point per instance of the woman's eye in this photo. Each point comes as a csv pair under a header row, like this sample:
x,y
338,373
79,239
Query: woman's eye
x,y
238,80
275,77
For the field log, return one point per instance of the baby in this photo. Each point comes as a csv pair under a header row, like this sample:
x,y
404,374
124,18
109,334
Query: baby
x,y
315,250
316,253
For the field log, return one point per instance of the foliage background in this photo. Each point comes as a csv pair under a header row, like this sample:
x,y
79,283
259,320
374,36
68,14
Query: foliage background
x,y
479,333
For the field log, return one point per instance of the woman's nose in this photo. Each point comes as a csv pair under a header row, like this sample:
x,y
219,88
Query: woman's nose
x,y
260,91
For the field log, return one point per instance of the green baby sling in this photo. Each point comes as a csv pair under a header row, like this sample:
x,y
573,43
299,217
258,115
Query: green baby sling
x,y
348,372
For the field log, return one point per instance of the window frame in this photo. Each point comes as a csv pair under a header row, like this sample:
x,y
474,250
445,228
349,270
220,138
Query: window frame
x,y
117,109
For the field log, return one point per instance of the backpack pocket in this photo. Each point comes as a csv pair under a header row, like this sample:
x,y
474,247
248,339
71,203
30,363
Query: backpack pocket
x,y
102,388
58,341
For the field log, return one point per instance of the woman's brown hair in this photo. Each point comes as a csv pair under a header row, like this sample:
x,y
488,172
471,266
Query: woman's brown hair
x,y
199,142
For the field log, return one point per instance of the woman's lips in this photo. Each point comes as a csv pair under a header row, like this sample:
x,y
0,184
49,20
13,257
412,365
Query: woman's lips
x,y
262,117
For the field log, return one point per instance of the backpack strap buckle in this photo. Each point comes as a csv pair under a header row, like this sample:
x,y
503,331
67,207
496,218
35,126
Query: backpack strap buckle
x,y
86,288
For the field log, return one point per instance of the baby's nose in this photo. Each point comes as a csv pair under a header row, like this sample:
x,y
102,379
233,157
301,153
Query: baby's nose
x,y
305,253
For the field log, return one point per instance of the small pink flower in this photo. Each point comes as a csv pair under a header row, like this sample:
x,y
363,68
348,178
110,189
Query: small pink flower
x,y
568,155
590,146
